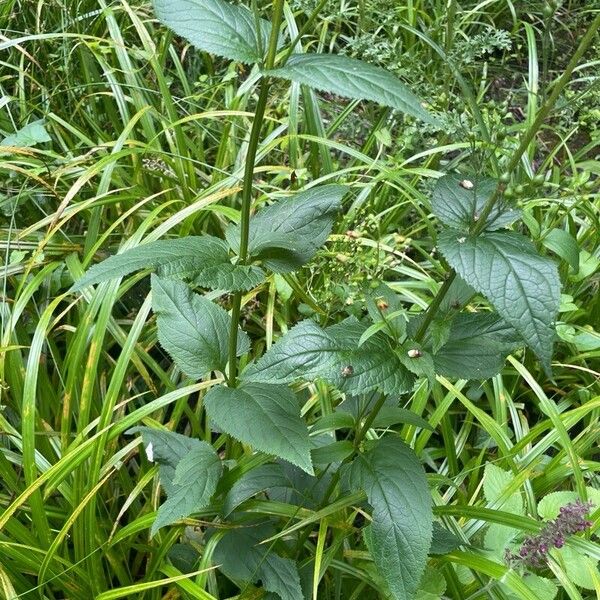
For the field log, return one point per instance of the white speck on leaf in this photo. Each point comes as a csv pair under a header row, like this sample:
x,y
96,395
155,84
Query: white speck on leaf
x,y
461,240
150,452
466,184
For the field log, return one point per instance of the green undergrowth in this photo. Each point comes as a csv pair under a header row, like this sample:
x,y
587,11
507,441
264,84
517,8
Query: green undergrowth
x,y
133,465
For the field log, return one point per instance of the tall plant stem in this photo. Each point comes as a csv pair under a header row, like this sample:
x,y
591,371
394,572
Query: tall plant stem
x,y
248,185
527,138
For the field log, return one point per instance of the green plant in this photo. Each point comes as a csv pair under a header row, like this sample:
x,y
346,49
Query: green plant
x,y
118,134
377,357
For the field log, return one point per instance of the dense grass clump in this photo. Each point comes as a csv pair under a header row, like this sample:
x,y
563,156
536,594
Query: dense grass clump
x,y
432,433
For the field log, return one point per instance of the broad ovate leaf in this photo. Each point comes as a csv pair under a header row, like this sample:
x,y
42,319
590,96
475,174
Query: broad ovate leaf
x,y
373,365
396,486
433,585
443,540
309,352
353,78
541,587
523,286
205,259
457,201
477,346
259,479
31,135
549,506
582,570
192,329
222,28
267,417
458,295
189,470
286,234
241,557
496,484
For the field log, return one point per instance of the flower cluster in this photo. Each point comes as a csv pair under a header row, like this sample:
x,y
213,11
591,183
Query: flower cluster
x,y
534,550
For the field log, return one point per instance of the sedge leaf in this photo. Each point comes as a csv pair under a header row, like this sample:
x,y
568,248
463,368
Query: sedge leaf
x,y
457,201
396,486
523,286
205,259
561,242
265,416
286,234
189,470
192,329
352,78
215,26
477,346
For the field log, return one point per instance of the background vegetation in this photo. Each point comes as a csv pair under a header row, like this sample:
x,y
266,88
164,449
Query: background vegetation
x,y
145,137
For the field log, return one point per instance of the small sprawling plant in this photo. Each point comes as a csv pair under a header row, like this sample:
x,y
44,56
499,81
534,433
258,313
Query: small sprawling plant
x,y
369,359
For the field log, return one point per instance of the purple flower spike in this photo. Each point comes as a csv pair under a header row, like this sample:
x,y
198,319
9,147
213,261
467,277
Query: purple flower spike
x,y
534,550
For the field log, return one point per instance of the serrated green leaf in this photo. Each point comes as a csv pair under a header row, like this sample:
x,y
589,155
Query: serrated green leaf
x,y
495,483
582,570
563,244
309,352
352,78
31,135
192,329
458,295
417,360
189,470
523,286
549,506
215,26
456,204
229,277
374,365
433,585
286,234
241,557
396,487
443,541
259,479
477,346
265,416
540,586
335,452
202,258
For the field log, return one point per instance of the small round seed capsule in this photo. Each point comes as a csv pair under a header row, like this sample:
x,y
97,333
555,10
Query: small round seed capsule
x,y
466,184
347,371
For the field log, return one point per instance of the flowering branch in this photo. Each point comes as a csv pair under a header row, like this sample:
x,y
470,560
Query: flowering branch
x,y
534,550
